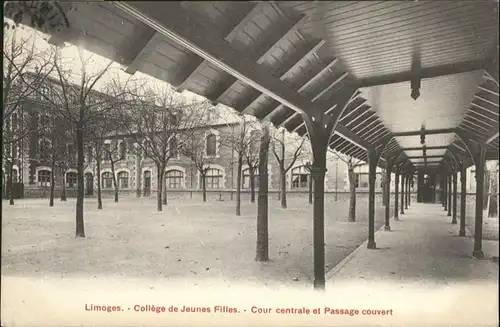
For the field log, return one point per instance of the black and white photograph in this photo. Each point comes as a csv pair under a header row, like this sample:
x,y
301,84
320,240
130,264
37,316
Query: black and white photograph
x,y
250,163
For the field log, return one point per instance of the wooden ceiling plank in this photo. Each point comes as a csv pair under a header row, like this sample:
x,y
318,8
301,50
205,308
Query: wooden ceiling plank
x,y
146,50
269,50
485,89
484,108
235,31
308,53
486,100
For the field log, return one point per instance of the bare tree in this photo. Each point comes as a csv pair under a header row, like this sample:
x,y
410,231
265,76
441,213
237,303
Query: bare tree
x,y
281,158
262,251
24,70
161,123
351,164
81,104
56,148
201,150
113,153
252,157
239,141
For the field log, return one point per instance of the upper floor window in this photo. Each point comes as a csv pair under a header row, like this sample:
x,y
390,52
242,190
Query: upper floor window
x,y
211,144
107,151
122,149
44,148
44,121
174,147
254,141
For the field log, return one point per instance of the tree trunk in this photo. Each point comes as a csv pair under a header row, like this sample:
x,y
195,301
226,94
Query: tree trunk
x,y
10,184
203,186
159,187
493,209
283,185
310,189
63,185
262,249
165,201
238,185
99,194
352,194
115,184
252,184
52,182
80,231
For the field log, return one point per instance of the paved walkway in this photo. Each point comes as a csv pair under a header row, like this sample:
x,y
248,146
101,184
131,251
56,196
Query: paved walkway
x,y
424,271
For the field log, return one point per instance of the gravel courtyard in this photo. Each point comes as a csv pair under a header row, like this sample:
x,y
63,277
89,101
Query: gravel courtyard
x,y
188,240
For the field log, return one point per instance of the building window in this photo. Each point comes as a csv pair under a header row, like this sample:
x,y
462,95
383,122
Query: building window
x,y
89,154
44,149
254,141
15,176
14,122
123,179
71,179
211,145
107,180
173,178
123,150
300,177
44,121
246,178
107,151
44,92
44,178
213,179
14,152
70,148
173,148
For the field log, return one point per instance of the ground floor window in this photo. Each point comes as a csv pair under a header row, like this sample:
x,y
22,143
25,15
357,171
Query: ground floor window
x,y
107,180
213,178
246,178
123,179
173,178
71,179
44,178
300,177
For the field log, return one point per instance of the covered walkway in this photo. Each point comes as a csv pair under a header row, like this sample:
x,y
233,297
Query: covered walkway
x,y
423,258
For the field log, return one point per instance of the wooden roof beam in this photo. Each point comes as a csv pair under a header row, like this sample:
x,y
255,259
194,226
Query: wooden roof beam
x,y
283,76
430,72
260,59
427,132
201,40
438,147
230,37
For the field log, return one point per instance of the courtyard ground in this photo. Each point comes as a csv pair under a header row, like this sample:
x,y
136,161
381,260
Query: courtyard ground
x,y
188,240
